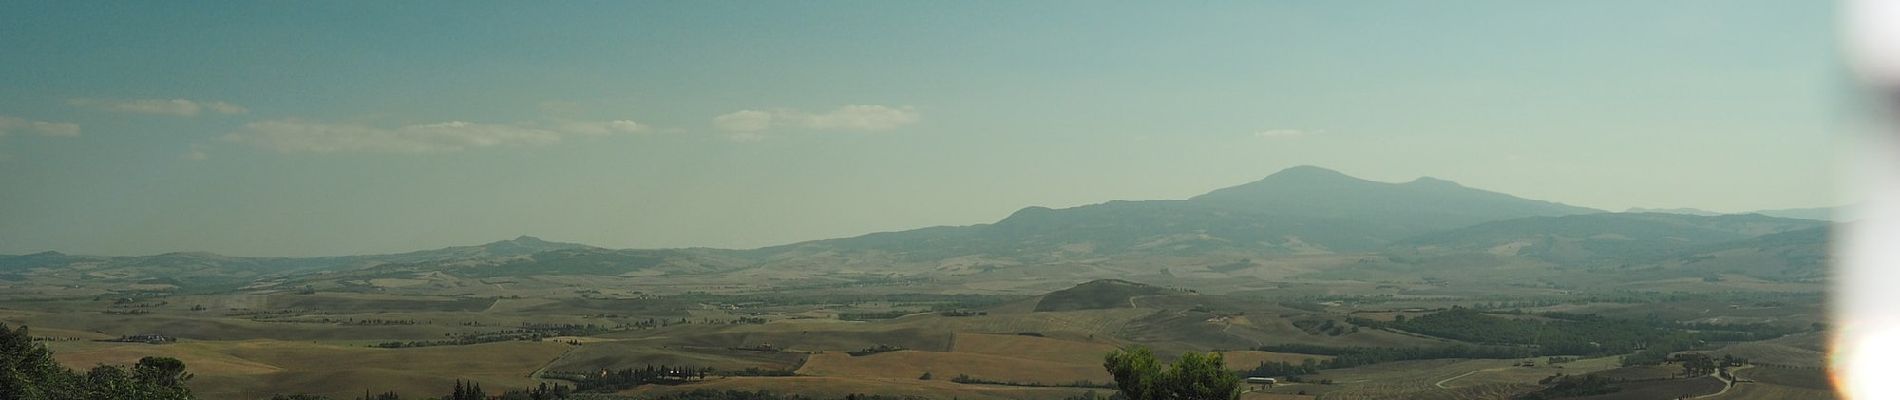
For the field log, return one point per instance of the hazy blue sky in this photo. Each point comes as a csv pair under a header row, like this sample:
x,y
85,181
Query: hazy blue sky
x,y
306,128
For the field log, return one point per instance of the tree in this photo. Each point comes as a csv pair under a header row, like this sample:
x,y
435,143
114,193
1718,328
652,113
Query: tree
x,y
1195,376
28,372
163,371
1200,376
1135,371
1697,364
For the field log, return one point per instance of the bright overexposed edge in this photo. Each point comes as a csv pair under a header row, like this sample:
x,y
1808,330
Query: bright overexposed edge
x,y
1867,292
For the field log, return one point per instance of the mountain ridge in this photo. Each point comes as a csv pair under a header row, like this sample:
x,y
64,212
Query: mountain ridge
x,y
1303,210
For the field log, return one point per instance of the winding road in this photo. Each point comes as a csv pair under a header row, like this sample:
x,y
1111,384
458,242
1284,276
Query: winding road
x,y
1726,383
536,375
1441,384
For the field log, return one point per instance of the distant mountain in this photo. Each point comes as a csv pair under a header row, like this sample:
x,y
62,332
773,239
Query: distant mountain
x,y
519,246
1420,205
1684,211
36,260
559,259
1814,213
209,271
1298,210
1602,238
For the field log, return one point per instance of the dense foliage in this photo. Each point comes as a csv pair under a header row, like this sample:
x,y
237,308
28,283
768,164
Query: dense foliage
x,y
964,378
1583,336
607,381
1201,376
1574,334
28,372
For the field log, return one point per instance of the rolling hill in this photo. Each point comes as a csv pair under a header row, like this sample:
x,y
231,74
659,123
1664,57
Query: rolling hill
x,y
1099,294
1610,238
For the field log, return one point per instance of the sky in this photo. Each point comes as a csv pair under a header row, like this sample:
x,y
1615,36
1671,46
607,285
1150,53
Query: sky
x,y
331,128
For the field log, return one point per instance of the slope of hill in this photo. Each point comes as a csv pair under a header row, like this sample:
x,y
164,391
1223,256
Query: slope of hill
x,y
202,271
1099,294
1602,238
1814,213
1792,255
40,259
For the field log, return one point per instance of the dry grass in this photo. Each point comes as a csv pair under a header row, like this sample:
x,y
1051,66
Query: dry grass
x,y
836,387
1775,353
1031,347
1815,379
204,358
1642,372
1512,375
1762,391
1664,389
256,369
1402,379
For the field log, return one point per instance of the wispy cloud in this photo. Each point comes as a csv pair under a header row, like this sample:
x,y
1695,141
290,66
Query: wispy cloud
x,y
864,118
170,107
298,136
744,121
16,124
604,127
1285,134
855,118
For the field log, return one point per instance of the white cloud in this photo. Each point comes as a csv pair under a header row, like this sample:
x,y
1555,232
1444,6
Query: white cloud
x,y
862,118
296,136
857,117
604,127
171,107
744,121
1277,134
225,108
293,136
745,137
15,124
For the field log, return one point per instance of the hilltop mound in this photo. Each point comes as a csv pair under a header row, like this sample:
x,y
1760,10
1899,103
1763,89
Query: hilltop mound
x,y
1098,294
